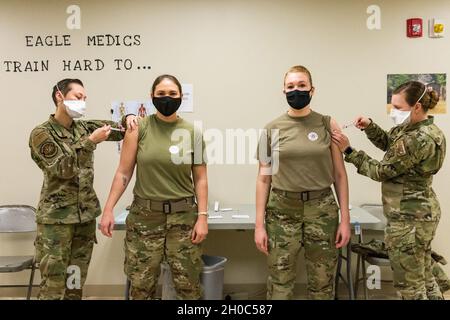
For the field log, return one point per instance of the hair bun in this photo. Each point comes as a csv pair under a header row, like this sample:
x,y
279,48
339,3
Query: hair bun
x,y
434,98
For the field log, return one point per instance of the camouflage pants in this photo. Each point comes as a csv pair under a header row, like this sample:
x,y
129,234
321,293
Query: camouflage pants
x,y
150,237
291,224
59,246
409,248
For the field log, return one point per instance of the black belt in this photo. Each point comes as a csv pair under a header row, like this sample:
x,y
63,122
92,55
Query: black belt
x,y
168,206
304,196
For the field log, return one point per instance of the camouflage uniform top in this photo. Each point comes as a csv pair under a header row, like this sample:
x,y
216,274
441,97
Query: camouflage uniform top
x,y
67,161
414,153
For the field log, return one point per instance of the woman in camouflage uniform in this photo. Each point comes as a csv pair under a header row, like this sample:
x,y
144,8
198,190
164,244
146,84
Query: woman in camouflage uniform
x,y
415,151
295,205
168,216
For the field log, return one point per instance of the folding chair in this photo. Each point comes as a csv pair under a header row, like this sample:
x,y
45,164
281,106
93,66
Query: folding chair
x,y
18,219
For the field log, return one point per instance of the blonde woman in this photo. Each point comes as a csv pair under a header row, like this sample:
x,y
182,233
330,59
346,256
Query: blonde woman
x,y
295,205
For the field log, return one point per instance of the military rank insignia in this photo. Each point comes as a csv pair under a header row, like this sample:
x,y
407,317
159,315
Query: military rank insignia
x,y
48,149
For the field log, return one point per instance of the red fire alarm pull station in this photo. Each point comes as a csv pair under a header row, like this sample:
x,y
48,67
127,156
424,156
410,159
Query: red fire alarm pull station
x,y
414,27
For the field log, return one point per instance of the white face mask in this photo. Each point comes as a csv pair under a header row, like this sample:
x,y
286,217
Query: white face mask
x,y
403,117
75,108
399,117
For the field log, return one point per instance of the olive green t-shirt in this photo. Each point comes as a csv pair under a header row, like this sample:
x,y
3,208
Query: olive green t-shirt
x,y
165,156
304,152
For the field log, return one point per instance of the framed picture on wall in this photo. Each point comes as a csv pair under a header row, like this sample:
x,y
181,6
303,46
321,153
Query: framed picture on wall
x,y
438,81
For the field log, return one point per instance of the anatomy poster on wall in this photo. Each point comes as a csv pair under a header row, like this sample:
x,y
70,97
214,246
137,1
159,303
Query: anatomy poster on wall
x,y
146,107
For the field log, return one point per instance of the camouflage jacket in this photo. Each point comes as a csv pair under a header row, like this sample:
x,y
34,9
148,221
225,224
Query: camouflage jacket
x,y
414,153
67,160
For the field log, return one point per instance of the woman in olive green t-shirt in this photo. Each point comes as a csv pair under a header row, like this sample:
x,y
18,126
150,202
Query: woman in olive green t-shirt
x,y
295,205
165,220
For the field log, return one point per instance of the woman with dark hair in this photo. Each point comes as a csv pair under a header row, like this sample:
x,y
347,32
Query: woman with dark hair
x,y
415,151
63,148
168,216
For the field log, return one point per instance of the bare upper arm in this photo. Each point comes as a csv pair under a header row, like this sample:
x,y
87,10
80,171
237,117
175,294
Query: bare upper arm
x,y
336,154
334,125
129,152
199,172
338,160
264,172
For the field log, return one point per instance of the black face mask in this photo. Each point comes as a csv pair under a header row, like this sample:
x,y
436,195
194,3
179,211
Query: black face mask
x,y
298,99
166,105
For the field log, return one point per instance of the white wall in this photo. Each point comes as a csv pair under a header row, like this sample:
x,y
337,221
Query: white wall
x,y
235,53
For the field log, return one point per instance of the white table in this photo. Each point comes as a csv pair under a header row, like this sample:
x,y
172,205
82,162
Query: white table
x,y
227,222
364,218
